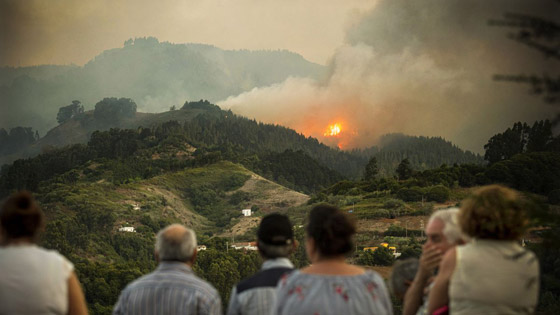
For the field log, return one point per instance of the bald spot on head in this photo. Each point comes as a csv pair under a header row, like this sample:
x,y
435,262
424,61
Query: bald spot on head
x,y
174,232
175,243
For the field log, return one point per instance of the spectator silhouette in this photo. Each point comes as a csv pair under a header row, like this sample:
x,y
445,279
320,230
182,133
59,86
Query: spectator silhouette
x,y
275,241
402,275
442,233
33,280
172,288
492,273
330,285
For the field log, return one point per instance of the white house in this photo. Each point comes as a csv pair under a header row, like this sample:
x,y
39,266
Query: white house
x,y
246,212
245,246
127,229
201,247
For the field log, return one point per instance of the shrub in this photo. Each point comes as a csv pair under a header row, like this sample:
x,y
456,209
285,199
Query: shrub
x,y
410,194
438,193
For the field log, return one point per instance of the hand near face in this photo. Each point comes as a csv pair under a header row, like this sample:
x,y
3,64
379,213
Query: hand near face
x,y
429,260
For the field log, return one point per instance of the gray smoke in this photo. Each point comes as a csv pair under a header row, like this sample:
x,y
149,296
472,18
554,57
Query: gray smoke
x,y
417,67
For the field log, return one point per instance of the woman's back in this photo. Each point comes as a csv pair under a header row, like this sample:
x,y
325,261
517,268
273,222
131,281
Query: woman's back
x,y
494,277
305,293
33,281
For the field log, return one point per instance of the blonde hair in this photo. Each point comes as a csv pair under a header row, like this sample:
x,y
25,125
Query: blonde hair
x,y
494,212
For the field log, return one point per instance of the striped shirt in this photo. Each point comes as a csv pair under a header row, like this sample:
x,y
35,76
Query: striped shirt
x,y
172,288
256,295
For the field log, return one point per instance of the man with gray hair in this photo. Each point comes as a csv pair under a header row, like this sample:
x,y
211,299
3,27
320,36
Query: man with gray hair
x,y
275,241
172,288
402,275
442,233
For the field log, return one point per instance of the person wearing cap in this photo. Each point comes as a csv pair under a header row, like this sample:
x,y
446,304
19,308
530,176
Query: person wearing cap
x,y
257,294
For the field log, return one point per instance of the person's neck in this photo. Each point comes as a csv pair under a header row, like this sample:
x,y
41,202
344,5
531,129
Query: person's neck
x,y
329,260
336,265
18,241
188,263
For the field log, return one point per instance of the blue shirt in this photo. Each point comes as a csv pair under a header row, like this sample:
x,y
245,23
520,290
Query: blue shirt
x,y
172,288
256,294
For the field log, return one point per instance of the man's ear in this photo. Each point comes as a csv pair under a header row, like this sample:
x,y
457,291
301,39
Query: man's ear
x,y
193,258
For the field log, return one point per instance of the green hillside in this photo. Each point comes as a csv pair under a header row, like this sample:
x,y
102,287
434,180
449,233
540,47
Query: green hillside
x,y
157,75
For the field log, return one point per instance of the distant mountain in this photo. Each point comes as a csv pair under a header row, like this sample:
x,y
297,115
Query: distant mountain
x,y
156,75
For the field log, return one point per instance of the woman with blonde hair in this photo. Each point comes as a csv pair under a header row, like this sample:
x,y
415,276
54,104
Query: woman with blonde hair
x,y
492,274
33,280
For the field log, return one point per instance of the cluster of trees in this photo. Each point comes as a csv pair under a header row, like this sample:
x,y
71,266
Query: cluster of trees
x,y
111,110
422,153
295,170
66,113
521,138
17,139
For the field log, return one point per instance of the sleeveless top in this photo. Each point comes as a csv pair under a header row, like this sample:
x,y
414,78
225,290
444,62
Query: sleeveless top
x,y
494,277
300,293
33,280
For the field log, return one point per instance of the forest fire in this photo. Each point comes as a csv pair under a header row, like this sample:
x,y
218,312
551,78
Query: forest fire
x,y
333,130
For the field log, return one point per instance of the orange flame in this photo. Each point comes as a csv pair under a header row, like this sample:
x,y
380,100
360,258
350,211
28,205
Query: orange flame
x,y
333,130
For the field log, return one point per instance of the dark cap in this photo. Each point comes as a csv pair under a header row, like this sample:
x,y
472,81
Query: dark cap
x,y
276,229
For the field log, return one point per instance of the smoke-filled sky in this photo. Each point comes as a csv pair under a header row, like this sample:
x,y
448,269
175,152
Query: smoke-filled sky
x,y
417,67
74,31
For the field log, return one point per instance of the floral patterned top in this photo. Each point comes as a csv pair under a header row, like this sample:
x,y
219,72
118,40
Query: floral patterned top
x,y
301,293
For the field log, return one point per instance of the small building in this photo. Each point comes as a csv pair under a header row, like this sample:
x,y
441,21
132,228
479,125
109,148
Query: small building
x,y
201,247
246,212
245,246
127,229
135,206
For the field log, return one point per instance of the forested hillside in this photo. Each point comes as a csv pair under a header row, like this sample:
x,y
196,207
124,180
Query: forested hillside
x,y
156,75
199,173
422,152
206,126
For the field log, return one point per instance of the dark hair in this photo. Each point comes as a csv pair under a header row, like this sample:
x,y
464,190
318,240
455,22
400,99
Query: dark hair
x,y
331,230
20,216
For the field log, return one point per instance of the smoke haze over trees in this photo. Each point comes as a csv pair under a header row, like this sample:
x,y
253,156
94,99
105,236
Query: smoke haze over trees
x,y
155,75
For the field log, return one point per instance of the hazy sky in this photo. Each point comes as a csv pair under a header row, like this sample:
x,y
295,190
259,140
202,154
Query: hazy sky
x,y
421,67
74,31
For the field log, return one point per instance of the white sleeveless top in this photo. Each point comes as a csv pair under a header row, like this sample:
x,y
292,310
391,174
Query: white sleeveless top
x,y
494,277
33,280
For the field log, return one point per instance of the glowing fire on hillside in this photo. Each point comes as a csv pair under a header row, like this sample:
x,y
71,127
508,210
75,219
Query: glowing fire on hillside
x,y
333,130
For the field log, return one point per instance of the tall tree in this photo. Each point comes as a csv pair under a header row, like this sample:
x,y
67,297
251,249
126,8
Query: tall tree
x,y
404,171
371,170
505,145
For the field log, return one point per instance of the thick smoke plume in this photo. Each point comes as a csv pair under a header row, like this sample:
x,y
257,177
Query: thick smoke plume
x,y
417,67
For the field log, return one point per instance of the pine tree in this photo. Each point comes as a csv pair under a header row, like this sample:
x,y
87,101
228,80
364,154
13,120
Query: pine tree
x,y
371,170
404,171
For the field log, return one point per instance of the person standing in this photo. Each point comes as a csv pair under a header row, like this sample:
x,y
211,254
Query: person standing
x,y
492,273
33,280
442,234
257,294
172,288
330,285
